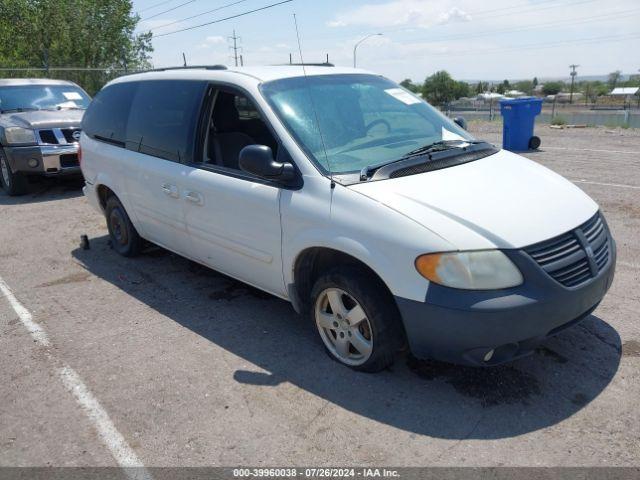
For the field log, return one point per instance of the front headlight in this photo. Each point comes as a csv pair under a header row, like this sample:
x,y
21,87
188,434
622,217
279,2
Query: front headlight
x,y
19,135
476,270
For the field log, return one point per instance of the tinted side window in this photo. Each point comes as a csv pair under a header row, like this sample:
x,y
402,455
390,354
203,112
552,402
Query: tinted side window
x,y
106,118
164,118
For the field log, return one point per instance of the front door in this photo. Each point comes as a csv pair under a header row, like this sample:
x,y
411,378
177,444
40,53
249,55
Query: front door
x,y
233,218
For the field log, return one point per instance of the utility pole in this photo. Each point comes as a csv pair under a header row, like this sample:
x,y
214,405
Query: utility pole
x,y
234,38
573,79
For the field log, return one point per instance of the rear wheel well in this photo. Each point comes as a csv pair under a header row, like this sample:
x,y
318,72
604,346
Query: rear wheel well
x,y
104,193
316,261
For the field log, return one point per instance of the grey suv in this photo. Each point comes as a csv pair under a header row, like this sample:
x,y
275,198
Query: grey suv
x,y
39,130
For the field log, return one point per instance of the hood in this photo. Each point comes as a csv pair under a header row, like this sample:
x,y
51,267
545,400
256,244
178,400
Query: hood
x,y
38,119
503,201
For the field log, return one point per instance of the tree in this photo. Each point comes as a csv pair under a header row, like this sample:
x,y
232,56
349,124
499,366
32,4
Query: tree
x,y
503,87
439,88
481,87
409,85
462,89
535,82
525,86
552,88
73,33
613,79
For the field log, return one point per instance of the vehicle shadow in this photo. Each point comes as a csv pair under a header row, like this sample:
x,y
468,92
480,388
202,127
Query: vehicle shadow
x,y
46,189
422,397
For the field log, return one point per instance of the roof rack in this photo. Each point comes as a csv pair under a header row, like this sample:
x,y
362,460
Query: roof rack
x,y
323,64
190,67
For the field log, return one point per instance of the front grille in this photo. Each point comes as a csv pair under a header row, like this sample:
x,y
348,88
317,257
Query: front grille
x,y
68,134
69,160
576,256
47,136
57,136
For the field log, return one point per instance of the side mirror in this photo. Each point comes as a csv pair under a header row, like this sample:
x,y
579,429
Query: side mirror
x,y
258,160
461,122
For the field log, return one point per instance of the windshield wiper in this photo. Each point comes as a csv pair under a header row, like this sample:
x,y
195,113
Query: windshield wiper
x,y
441,146
438,146
19,109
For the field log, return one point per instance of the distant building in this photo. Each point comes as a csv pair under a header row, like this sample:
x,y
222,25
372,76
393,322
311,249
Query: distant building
x,y
624,91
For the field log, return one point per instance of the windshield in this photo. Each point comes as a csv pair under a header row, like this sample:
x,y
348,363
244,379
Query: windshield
x,y
364,120
42,97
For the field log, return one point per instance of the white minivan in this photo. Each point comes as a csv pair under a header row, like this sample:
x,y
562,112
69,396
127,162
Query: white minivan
x,y
352,198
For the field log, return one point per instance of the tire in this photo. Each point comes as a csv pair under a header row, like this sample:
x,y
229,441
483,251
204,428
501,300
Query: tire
x,y
13,183
124,237
381,326
534,143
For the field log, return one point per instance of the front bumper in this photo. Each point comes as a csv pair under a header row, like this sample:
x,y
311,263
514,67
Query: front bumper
x,y
48,160
463,326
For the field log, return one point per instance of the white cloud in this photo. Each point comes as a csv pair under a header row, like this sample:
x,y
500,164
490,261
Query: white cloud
x,y
214,39
453,15
211,41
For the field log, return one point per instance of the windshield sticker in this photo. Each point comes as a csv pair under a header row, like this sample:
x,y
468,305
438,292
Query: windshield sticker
x,y
72,95
68,105
402,95
449,135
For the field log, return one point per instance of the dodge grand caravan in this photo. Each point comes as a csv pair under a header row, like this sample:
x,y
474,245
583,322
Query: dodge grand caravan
x,y
353,199
39,130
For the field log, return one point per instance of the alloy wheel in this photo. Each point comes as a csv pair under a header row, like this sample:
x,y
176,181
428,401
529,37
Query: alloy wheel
x,y
343,326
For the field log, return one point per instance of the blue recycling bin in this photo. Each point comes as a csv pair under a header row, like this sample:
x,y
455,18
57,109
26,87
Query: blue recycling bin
x,y
519,117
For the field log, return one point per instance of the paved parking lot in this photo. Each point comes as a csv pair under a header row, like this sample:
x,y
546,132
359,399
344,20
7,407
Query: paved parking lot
x,y
160,361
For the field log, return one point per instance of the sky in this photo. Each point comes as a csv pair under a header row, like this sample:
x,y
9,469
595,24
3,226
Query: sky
x,y
513,39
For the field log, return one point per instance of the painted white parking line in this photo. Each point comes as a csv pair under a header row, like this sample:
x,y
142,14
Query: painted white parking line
x,y
109,434
36,331
617,185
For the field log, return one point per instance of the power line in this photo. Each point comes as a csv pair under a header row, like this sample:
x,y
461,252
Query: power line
x,y
199,14
225,19
596,18
534,46
169,10
155,6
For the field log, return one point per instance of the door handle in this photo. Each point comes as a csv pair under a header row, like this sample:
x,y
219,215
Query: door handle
x,y
170,190
194,197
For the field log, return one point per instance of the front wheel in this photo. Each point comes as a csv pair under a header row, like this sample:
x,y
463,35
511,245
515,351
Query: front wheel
x,y
357,319
13,183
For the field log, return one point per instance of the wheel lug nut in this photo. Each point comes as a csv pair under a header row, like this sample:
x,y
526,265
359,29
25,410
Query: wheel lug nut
x,y
341,334
335,324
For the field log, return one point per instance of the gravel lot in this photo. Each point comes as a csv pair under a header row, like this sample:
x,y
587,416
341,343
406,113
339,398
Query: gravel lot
x,y
194,368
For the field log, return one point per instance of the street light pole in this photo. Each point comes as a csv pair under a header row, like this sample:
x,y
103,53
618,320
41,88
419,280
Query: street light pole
x,y
355,47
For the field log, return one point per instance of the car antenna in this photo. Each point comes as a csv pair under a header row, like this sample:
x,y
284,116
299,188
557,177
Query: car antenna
x,y
313,105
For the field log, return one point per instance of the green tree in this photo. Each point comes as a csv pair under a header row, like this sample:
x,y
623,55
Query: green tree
x,y
461,89
409,85
481,87
552,88
613,79
525,86
535,82
73,33
439,88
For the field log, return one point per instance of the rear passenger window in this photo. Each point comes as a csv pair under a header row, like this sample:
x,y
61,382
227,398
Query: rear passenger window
x,y
106,117
164,118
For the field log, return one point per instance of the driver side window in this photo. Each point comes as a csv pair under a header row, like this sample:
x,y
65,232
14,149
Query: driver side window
x,y
234,123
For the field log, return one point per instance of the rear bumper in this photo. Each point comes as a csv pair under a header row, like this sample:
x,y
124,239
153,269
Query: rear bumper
x,y
463,326
47,160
